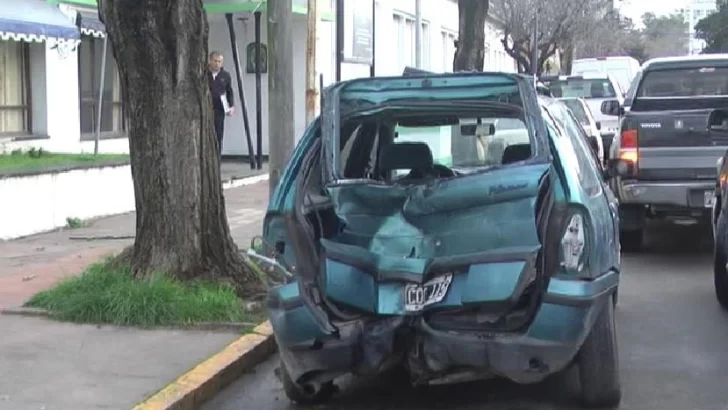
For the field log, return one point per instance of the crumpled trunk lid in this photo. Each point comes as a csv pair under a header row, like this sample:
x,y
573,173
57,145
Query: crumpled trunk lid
x,y
472,240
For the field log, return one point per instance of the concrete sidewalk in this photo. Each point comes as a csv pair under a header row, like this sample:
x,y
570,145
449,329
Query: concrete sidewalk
x,y
58,366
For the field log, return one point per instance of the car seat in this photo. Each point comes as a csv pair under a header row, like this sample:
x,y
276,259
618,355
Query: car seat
x,y
597,90
515,153
414,156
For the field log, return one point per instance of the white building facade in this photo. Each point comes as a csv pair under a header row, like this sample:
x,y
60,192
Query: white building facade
x,y
696,11
54,98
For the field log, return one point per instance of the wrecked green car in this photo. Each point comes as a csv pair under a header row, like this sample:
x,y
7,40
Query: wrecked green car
x,y
457,226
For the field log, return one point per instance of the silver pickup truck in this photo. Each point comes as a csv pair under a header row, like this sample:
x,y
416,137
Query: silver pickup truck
x,y
665,136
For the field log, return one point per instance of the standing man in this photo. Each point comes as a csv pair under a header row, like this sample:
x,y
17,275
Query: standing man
x,y
221,90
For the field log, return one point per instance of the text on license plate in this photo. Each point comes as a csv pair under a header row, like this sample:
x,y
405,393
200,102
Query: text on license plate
x,y
709,199
417,296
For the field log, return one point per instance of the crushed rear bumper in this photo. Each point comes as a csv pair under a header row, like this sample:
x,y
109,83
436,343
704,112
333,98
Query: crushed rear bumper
x,y
550,343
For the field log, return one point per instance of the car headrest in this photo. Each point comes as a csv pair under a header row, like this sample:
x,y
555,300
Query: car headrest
x,y
516,152
406,155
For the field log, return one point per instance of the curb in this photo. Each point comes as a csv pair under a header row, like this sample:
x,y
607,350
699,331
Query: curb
x,y
196,327
208,378
238,182
25,311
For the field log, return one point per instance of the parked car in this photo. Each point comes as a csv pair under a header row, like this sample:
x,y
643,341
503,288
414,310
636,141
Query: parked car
x,y
411,248
666,139
584,115
594,89
718,128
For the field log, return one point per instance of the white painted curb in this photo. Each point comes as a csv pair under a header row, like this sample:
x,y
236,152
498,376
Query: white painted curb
x,y
236,183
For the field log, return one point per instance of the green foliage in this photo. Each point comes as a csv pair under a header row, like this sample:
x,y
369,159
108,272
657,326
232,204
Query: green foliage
x,y
75,223
105,294
665,36
713,29
38,159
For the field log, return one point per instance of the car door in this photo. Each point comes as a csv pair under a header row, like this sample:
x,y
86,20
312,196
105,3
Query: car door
x,y
599,199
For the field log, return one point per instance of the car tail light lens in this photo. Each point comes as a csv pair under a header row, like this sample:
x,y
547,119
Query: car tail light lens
x,y
722,174
574,244
628,149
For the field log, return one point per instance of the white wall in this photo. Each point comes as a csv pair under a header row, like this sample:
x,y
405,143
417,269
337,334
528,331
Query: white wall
x,y
79,194
55,75
441,18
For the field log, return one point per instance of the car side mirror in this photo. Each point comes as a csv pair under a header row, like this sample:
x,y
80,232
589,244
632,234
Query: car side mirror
x,y
599,125
610,107
617,167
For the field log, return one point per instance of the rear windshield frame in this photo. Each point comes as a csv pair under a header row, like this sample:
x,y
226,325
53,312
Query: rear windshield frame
x,y
681,72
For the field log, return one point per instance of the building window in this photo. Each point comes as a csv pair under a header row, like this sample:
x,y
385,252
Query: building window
x,y
14,88
113,117
405,28
425,46
448,50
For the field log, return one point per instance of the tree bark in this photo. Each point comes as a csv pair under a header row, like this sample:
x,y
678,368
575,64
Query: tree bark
x,y
567,57
470,50
181,225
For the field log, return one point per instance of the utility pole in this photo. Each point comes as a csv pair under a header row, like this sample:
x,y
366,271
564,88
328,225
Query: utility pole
x,y
281,116
311,90
534,46
418,34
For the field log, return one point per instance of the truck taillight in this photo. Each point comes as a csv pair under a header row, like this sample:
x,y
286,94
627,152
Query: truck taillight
x,y
628,148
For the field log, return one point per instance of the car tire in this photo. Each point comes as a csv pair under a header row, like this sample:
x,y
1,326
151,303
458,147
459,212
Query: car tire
x,y
720,276
308,395
632,240
599,363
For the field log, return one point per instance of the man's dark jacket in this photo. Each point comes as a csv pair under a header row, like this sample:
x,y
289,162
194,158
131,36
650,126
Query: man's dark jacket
x,y
221,85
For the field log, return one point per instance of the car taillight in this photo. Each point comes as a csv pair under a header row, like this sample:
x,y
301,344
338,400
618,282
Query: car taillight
x,y
574,244
629,148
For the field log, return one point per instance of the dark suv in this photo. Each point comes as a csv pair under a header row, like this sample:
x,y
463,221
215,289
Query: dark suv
x,y
665,136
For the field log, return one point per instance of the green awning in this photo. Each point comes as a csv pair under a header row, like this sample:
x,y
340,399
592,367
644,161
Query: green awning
x,y
229,6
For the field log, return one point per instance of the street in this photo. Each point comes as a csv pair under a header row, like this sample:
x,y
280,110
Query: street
x,y
672,336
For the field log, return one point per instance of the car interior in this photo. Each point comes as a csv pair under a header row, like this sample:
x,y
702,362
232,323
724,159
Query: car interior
x,y
372,151
375,150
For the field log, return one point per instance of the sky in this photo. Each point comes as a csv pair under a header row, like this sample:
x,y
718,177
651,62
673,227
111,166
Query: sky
x,y
635,8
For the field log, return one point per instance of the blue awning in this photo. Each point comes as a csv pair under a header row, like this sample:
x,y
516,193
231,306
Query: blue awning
x,y
35,20
90,24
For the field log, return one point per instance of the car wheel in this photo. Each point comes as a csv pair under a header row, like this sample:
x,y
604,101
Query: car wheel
x,y
720,276
308,394
599,363
632,240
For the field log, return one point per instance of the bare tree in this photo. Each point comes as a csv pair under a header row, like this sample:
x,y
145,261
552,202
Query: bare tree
x,y
181,224
559,23
470,46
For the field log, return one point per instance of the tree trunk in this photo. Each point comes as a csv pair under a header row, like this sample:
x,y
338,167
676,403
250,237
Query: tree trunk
x,y
567,57
181,225
470,51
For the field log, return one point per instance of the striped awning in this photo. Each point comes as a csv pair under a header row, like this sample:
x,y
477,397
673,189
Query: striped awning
x,y
35,21
90,24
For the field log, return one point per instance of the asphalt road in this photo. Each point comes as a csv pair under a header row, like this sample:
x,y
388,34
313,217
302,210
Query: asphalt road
x,y
672,336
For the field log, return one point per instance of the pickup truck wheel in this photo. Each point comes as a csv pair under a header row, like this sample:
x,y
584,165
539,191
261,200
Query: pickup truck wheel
x,y
309,394
720,276
599,363
632,240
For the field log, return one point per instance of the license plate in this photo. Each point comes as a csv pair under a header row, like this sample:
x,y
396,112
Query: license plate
x,y
709,199
416,296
